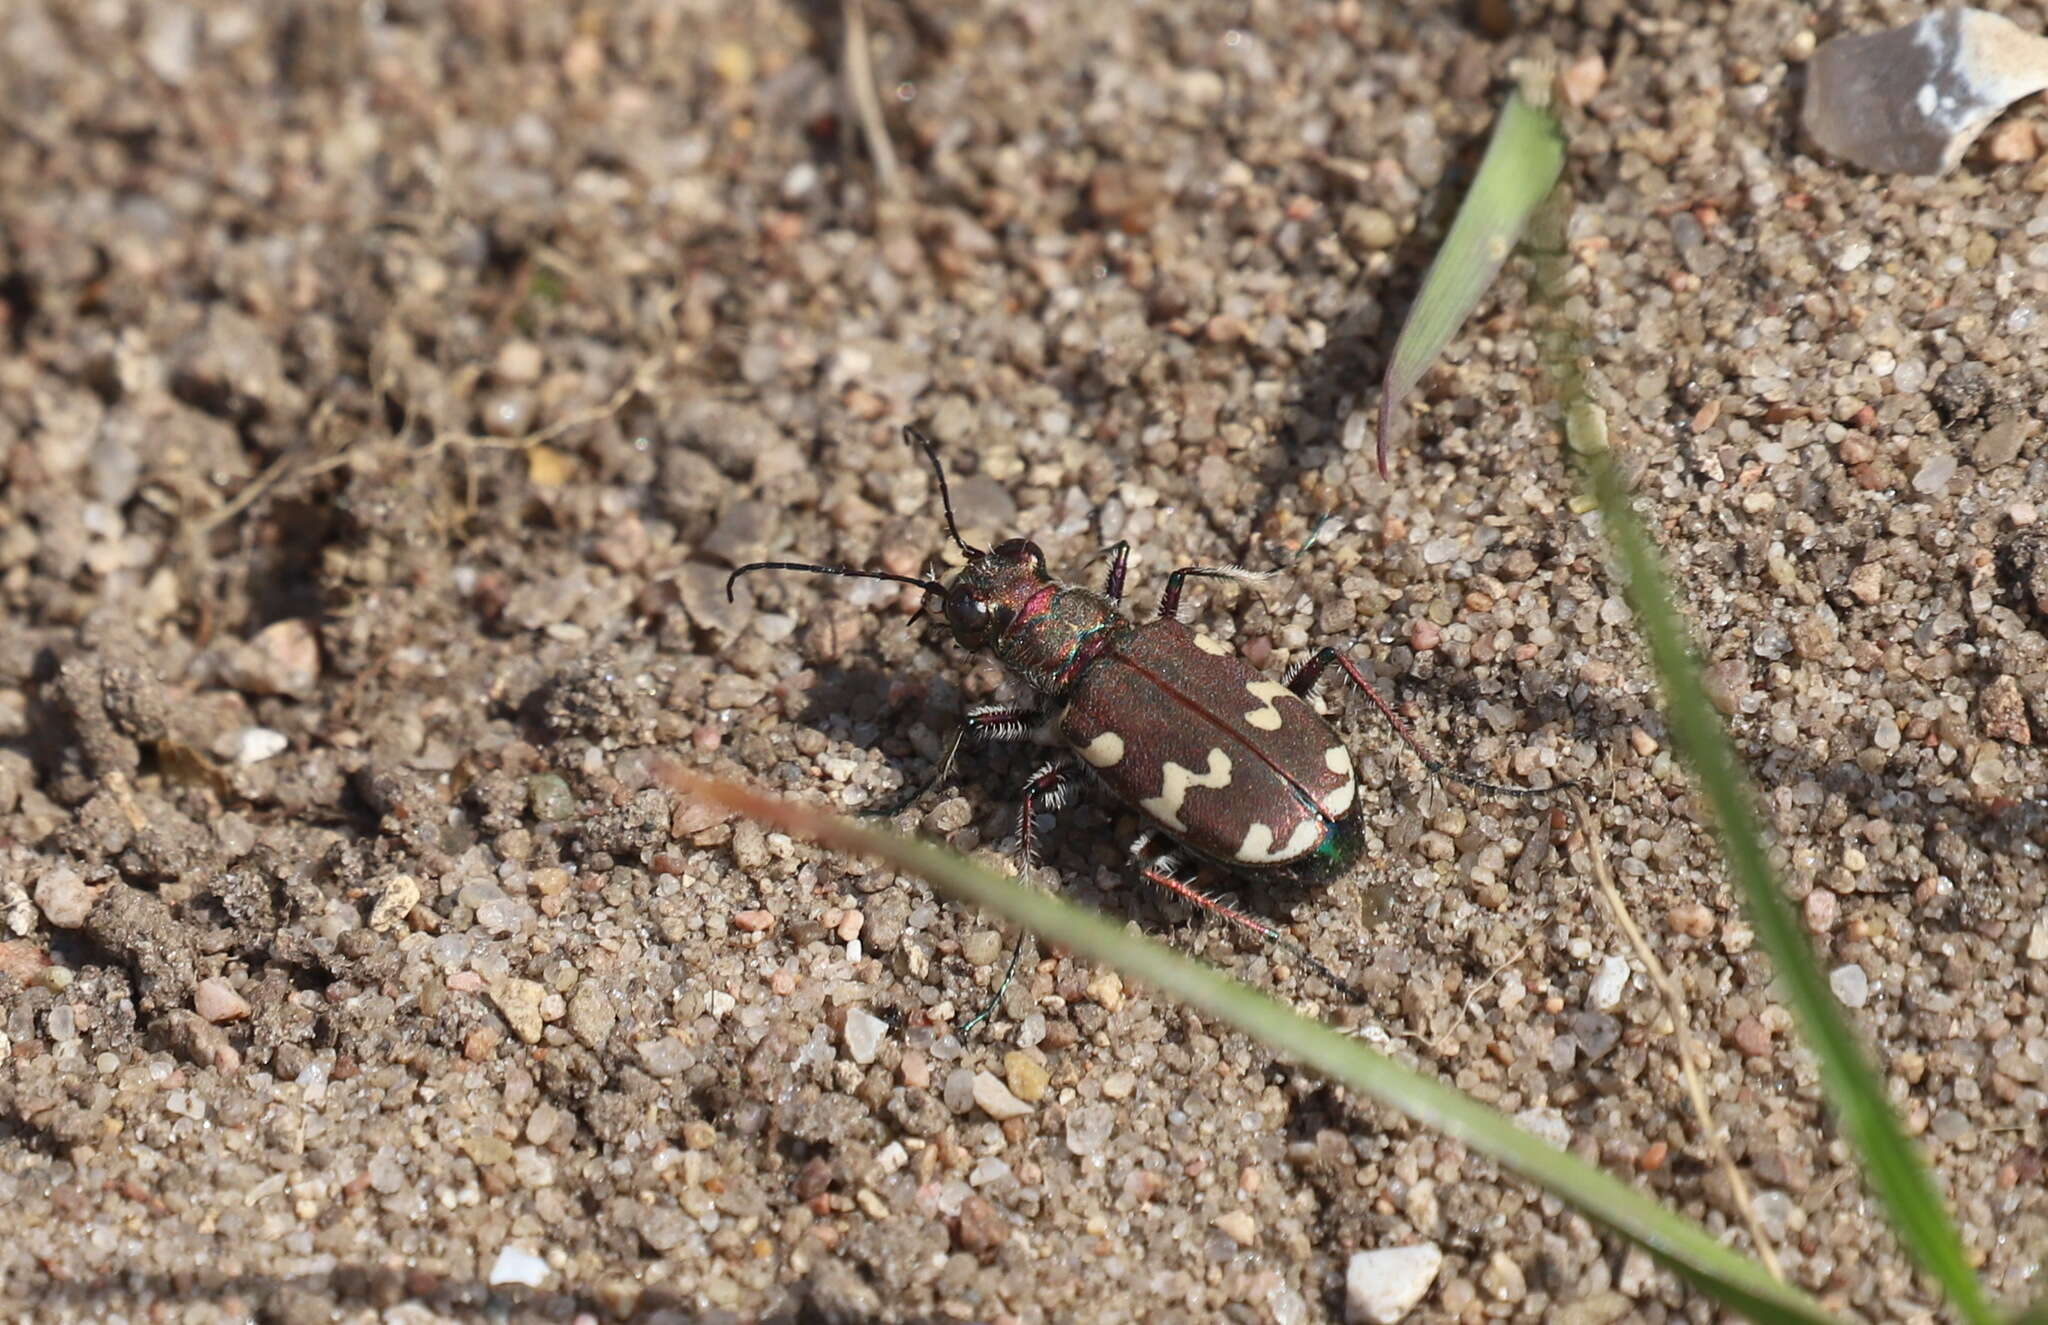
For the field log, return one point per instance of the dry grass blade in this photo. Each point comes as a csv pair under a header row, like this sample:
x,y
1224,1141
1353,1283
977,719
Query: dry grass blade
x,y
1690,1053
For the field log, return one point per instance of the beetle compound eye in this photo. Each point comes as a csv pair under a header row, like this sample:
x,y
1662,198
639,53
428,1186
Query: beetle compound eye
x,y
967,614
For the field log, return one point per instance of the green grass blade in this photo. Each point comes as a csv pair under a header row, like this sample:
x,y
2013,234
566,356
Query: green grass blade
x,y
1890,1161
1891,1164
1522,162
1724,1275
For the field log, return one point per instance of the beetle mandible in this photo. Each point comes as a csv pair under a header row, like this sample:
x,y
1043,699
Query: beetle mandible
x,y
1235,769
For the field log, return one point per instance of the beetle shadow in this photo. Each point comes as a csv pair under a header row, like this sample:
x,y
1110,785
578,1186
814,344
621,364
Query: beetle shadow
x,y
852,702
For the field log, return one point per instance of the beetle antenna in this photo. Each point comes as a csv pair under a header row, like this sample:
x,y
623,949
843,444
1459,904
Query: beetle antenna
x,y
931,453
929,586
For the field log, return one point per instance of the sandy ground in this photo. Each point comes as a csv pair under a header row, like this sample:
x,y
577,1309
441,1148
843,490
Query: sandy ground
x,y
387,389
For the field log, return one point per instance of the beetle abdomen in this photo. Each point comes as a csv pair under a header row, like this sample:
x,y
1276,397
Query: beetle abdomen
x,y
1230,763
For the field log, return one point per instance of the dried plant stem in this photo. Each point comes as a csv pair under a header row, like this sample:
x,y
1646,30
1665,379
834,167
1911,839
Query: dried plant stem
x,y
867,107
1690,1054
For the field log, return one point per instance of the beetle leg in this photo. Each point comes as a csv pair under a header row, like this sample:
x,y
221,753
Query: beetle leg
x,y
1119,554
988,722
1304,680
1001,722
1165,871
1050,788
1169,602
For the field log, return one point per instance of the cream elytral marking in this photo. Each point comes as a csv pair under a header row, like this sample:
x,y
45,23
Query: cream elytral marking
x,y
1338,760
1266,717
1210,644
1174,782
1104,751
1258,843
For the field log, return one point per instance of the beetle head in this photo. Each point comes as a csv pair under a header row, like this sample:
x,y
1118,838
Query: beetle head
x,y
993,590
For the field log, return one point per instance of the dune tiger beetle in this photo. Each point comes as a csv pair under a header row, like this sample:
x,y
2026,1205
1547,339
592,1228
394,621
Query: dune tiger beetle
x,y
1236,770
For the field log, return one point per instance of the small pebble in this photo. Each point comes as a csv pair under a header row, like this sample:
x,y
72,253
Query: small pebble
x,y
1370,229
519,363
1690,919
1025,1075
256,744
515,1265
1607,986
915,1071
63,898
1752,1037
1850,984
550,797
863,1035
1503,1280
995,1099
216,1000
519,1002
1934,474
1912,99
1581,80
1089,1128
401,894
281,659
1547,1124
1239,1227
980,1228
982,947
1381,1287
1107,991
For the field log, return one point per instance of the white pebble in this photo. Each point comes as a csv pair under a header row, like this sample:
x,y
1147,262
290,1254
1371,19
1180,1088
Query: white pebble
x,y
516,1265
256,744
1850,984
1089,1128
1546,1125
1383,1286
1935,474
864,1034
1608,985
995,1098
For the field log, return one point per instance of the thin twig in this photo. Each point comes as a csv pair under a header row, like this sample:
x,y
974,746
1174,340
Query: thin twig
x,y
1689,1054
867,107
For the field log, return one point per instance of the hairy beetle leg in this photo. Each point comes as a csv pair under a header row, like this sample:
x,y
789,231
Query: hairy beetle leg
x,y
990,722
1049,789
1169,602
1119,554
1305,678
1164,872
